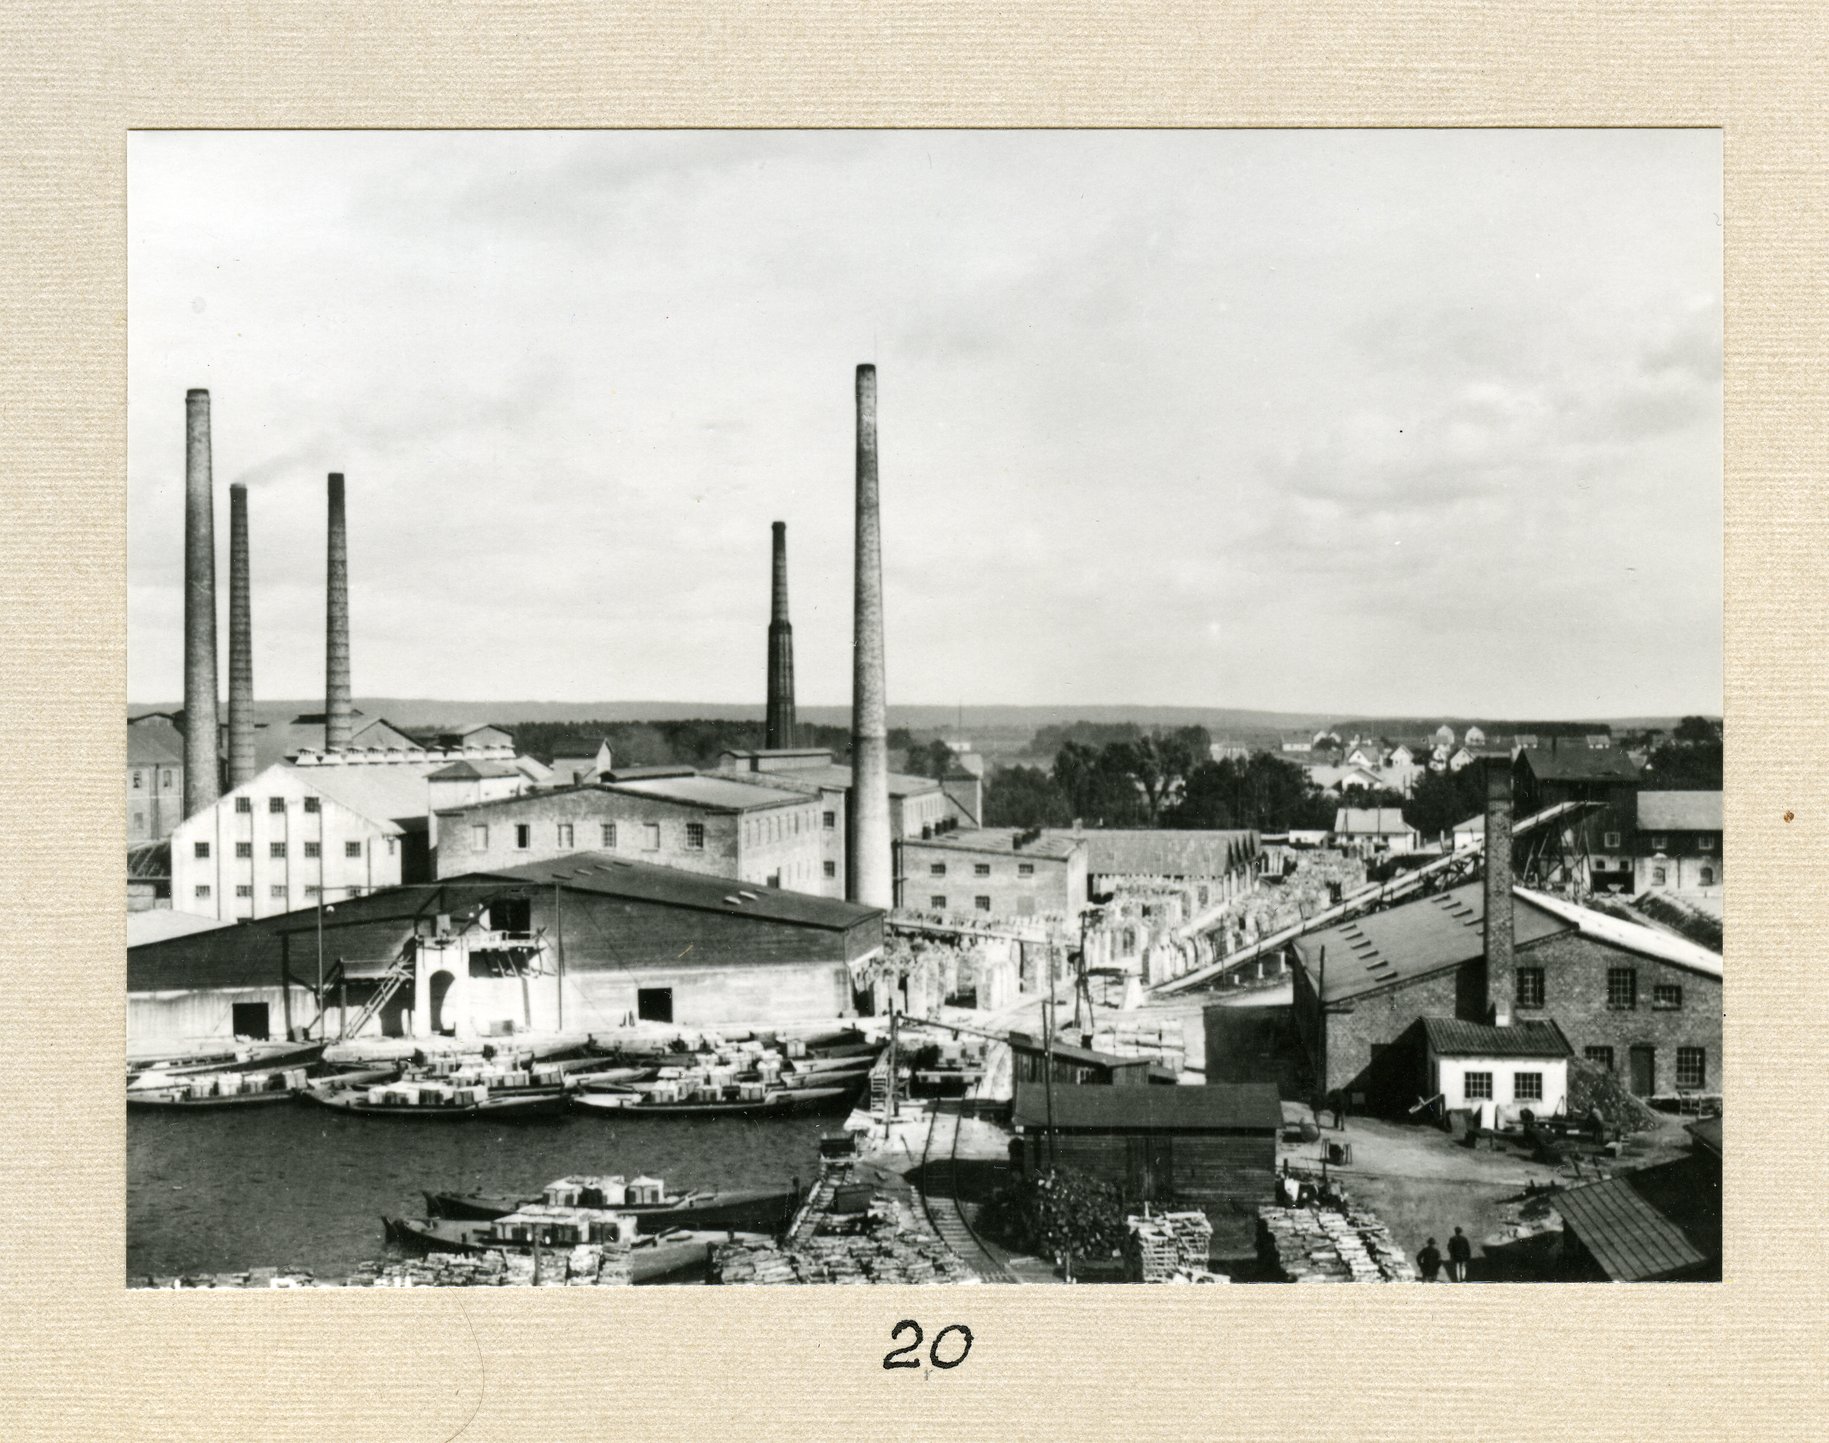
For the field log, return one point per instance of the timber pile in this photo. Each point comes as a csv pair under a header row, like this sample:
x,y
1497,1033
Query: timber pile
x,y
580,1267
1159,1247
1318,1245
1594,1089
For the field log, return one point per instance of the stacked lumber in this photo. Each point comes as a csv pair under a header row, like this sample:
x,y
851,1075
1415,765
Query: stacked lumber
x,y
1320,1245
1161,1246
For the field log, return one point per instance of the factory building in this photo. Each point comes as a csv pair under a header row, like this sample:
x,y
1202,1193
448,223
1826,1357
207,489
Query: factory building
x,y
587,942
155,778
762,835
993,873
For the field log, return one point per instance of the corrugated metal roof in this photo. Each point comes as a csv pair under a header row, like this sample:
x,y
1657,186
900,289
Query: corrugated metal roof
x,y
715,793
1646,941
1081,1107
161,923
608,875
1630,1239
1142,851
154,743
1414,939
1679,812
1451,1037
395,792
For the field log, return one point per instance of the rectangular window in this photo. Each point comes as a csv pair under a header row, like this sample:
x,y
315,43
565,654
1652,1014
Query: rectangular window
x,y
311,806
831,821
242,889
695,836
244,805
311,891
352,849
1666,997
139,819
1611,840
1601,1057
277,892
1530,987
981,869
479,837
312,849
609,835
249,1019
1527,1087
831,869
276,805
1705,844
937,903
565,836
1657,876
1622,989
1025,869
1476,1085
1660,842
983,904
523,836
165,778
202,849
650,836
138,781
1692,1067
244,849
390,846
202,890
936,869
277,849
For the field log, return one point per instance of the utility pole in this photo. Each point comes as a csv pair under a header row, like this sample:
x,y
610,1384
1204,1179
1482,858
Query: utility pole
x,y
889,1107
1048,1066
320,1019
559,950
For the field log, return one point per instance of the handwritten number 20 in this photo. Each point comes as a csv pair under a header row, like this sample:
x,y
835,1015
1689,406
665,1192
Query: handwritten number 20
x,y
896,1358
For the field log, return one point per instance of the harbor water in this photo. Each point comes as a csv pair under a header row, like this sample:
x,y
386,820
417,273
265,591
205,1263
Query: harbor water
x,y
295,1185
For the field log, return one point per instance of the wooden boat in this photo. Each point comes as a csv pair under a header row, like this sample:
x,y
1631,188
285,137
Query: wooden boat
x,y
255,1057
176,1099
608,1078
663,1256
780,1103
756,1209
514,1106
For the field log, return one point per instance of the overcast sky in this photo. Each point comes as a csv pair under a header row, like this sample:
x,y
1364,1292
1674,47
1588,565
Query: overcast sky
x,y
1337,421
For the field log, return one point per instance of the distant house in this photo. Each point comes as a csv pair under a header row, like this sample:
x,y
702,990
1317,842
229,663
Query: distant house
x,y
1444,735
1182,855
155,777
1679,842
1298,743
1474,737
1498,1072
1344,779
573,771
461,738
1596,840
1469,834
1374,829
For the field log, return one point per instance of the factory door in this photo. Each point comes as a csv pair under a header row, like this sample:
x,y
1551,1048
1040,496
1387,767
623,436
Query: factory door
x,y
654,1004
440,991
1644,1070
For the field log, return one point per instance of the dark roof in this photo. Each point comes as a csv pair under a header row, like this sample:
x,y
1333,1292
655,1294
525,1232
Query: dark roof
x,y
1023,1042
1707,1133
149,861
1630,1239
607,875
1580,764
473,771
711,794
1145,851
1679,812
1415,939
1251,1106
1450,1037
998,840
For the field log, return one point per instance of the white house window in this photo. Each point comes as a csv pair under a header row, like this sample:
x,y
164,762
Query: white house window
x,y
139,781
1530,987
1660,842
1692,1067
831,821
277,892
831,869
390,846
695,836
1527,1087
1601,1057
1708,876
276,804
1657,876
352,849
1476,1085
202,891
936,869
1027,869
244,805
312,849
278,849
243,889
311,891
981,869
244,849
311,806
609,834
565,835
523,836
202,850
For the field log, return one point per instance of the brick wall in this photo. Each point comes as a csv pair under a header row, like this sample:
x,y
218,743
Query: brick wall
x,y
1054,885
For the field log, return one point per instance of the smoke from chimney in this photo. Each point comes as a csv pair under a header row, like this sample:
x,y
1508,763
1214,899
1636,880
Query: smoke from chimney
x,y
241,644
871,879
780,723
338,713
202,783
1498,923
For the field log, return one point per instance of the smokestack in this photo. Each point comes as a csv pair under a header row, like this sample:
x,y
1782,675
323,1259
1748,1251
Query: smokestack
x,y
1498,925
780,726
202,780
241,644
338,722
871,878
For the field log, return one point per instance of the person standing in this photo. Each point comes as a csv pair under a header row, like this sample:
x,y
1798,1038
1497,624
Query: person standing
x,y
1460,1253
1430,1261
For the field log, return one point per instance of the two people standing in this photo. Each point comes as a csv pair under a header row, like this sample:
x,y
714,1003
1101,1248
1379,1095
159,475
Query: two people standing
x,y
1460,1253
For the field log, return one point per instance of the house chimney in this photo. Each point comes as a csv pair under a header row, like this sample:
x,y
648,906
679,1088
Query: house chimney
x,y
780,724
202,779
338,723
1498,925
867,836
241,644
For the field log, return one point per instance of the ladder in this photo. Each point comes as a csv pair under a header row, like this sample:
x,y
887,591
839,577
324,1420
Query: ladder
x,y
392,981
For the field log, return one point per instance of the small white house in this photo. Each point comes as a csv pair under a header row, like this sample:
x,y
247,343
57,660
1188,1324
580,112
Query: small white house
x,y
1500,1070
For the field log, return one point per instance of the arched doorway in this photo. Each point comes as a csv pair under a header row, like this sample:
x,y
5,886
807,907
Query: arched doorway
x,y
439,988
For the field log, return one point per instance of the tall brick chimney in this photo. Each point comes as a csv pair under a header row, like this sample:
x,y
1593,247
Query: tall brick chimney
x,y
1498,924
871,877
780,725
338,713
202,780
241,643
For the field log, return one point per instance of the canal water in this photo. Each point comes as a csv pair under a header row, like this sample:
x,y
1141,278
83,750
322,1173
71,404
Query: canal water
x,y
300,1186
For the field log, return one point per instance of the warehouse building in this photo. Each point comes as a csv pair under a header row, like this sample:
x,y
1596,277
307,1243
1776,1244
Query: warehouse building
x,y
155,778
1200,858
992,874
589,941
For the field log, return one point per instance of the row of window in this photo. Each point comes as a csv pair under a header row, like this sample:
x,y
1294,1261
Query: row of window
x,y
1659,842
277,891
1660,876
779,827
938,903
1525,1086
276,806
981,869
565,836
1692,1064
278,849
1622,990
139,783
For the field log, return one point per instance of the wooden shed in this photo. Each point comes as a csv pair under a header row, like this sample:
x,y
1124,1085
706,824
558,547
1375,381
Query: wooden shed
x,y
1075,1065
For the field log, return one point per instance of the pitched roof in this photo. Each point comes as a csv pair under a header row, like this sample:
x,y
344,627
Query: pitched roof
x,y
155,744
161,923
1679,812
1148,852
1580,764
149,861
606,874
1451,1037
468,771
1414,939
1371,822
1024,1042
1051,846
838,776
1630,1239
717,794
1632,936
396,793
1097,1107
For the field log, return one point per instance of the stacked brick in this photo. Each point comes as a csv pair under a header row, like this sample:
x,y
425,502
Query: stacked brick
x,y
1319,1245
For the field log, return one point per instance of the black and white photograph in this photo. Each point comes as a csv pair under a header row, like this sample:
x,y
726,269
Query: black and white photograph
x,y
744,707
